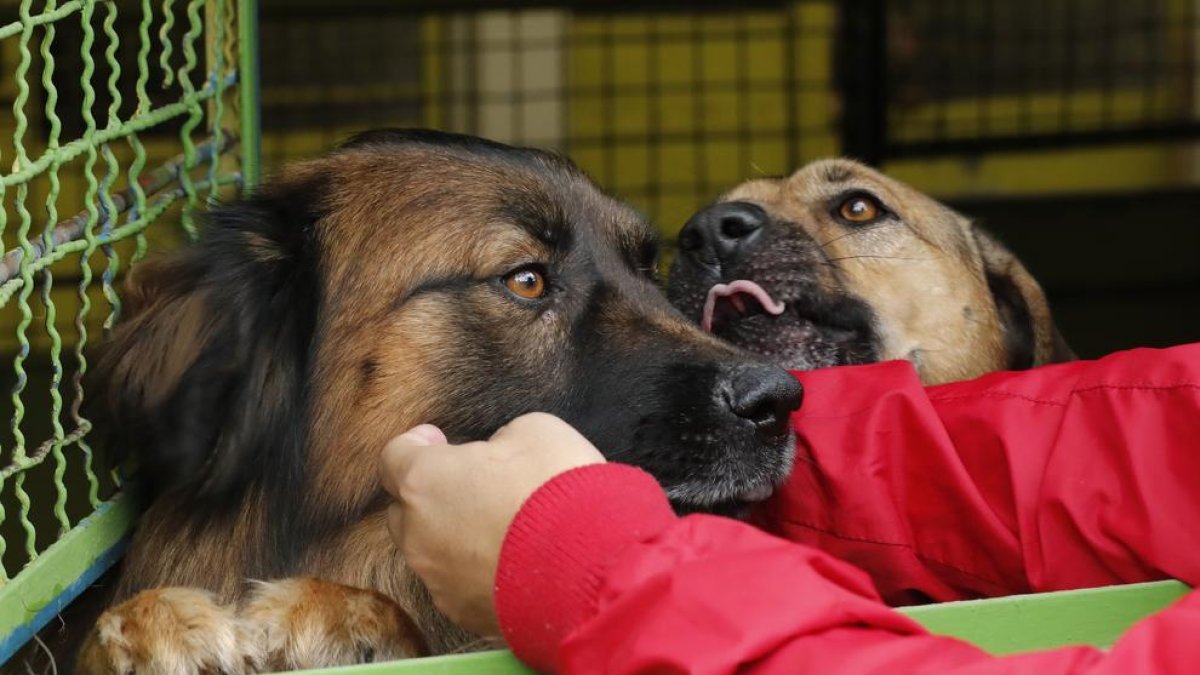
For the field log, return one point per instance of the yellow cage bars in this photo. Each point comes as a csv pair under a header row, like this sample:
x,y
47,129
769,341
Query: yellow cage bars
x,y
115,114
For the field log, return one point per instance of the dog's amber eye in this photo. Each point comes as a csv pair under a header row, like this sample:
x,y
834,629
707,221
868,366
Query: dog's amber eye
x,y
526,283
860,209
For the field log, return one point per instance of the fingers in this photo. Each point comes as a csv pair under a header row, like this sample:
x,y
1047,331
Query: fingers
x,y
398,455
546,434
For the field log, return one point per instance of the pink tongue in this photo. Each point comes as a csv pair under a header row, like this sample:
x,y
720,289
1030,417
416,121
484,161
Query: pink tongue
x,y
732,290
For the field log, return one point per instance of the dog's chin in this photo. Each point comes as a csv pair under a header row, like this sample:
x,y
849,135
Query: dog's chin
x,y
739,487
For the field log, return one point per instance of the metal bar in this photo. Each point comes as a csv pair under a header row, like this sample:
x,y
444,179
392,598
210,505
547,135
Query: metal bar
x,y
969,146
91,140
67,9
151,183
791,94
58,440
326,9
153,211
249,91
26,312
864,80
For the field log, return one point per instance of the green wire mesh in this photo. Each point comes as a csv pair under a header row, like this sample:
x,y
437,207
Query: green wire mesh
x,y
116,114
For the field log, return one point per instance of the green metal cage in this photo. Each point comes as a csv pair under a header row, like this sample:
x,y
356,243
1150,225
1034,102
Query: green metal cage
x,y
127,118
99,153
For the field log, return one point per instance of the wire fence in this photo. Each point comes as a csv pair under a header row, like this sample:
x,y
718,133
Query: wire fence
x,y
117,115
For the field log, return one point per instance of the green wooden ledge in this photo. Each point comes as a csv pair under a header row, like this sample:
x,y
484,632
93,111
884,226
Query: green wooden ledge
x,y
1020,623
1002,626
48,584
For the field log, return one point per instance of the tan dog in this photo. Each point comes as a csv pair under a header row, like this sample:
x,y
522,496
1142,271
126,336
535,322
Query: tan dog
x,y
407,277
839,264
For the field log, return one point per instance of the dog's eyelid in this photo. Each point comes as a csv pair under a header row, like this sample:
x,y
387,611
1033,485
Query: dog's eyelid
x,y
851,193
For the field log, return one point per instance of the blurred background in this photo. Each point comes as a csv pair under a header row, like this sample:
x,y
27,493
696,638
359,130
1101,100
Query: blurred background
x,y
1068,127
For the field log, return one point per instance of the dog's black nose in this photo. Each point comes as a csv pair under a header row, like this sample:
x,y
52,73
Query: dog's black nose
x,y
765,396
718,234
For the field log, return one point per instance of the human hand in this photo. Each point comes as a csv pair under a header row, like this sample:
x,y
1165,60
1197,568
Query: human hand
x,y
453,504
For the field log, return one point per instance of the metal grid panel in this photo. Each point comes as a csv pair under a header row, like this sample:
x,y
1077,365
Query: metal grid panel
x,y
665,106
669,103
994,75
116,115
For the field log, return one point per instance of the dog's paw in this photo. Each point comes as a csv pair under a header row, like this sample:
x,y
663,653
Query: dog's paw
x,y
180,631
309,623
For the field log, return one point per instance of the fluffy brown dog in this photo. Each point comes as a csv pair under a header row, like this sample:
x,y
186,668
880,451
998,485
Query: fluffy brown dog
x,y
839,264
407,277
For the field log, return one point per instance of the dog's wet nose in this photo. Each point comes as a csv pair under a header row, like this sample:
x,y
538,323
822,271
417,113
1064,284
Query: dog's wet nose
x,y
764,396
718,234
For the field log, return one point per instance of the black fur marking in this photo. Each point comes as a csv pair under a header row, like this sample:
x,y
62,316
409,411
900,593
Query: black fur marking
x,y
1015,317
368,369
235,423
837,174
531,157
641,254
542,218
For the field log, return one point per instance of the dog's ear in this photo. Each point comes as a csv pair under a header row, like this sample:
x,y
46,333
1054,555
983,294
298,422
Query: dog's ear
x,y
1030,335
205,378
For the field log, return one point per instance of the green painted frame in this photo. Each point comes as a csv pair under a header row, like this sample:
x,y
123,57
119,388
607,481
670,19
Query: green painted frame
x,y
62,572
1019,623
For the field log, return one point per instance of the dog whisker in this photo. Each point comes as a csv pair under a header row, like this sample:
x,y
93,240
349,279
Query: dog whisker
x,y
880,257
841,237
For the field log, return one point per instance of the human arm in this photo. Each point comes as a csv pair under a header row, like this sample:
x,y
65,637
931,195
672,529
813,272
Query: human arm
x,y
644,591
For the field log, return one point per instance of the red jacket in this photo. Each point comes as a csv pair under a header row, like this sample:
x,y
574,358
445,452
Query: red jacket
x,y
1068,476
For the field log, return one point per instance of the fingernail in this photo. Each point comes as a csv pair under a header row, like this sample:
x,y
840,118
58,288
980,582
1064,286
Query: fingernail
x,y
424,434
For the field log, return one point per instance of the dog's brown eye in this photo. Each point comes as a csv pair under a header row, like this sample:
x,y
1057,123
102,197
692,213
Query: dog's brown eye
x,y
860,209
526,283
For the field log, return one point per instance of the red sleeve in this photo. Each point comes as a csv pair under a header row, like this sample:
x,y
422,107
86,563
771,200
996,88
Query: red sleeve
x,y
1063,477
1075,475
583,592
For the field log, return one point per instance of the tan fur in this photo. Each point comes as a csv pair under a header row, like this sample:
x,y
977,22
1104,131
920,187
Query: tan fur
x,y
310,623
284,625
927,281
170,630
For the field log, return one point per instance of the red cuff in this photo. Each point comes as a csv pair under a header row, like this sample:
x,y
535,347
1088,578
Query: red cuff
x,y
558,547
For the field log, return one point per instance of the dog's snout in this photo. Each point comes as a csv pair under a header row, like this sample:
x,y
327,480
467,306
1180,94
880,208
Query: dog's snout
x,y
765,396
717,235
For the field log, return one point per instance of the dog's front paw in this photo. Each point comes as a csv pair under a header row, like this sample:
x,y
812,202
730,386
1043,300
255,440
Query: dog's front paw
x,y
309,623
180,631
